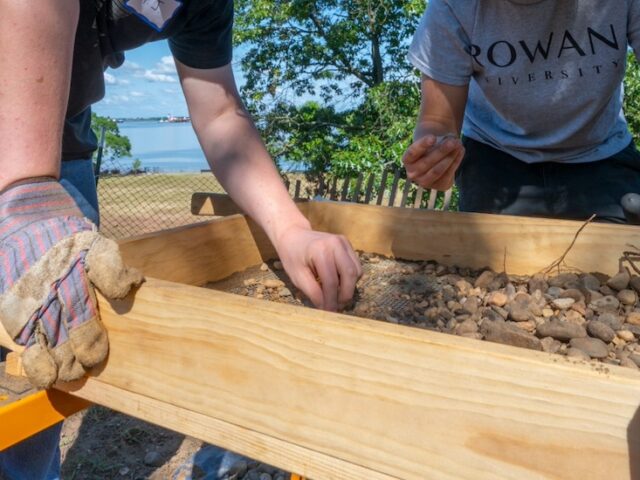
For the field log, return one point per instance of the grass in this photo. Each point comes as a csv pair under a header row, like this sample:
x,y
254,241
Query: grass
x,y
135,204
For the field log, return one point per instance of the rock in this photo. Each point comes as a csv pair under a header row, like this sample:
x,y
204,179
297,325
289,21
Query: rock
x,y
574,317
468,326
577,354
277,265
635,329
492,315
628,363
636,358
153,459
538,283
273,283
484,279
579,307
620,281
464,287
611,319
633,318
635,283
500,332
501,311
563,303
499,299
285,292
249,282
547,312
590,282
563,279
626,335
555,292
528,326
594,347
510,291
264,267
601,330
627,297
470,305
594,295
607,290
574,293
605,304
518,312
563,331
550,345
265,476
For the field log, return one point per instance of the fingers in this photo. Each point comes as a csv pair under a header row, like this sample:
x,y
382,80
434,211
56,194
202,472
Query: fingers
x,y
349,271
307,283
445,181
329,277
428,169
418,148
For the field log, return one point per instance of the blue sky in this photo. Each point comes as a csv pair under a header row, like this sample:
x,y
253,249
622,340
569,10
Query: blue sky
x,y
146,85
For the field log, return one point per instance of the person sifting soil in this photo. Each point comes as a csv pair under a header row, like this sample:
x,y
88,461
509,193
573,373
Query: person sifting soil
x,y
51,71
535,88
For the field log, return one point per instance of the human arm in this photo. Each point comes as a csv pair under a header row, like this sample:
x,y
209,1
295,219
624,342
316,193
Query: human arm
x,y
50,256
430,163
35,70
323,266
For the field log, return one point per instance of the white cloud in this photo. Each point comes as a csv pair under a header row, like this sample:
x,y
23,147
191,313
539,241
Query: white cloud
x,y
110,79
166,65
153,76
137,94
129,65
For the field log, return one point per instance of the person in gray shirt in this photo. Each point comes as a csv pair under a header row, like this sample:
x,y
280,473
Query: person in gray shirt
x,y
535,88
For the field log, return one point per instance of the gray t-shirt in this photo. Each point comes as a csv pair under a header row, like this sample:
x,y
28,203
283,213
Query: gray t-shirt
x,y
545,76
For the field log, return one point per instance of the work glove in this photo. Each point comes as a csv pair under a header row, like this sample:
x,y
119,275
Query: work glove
x,y
51,257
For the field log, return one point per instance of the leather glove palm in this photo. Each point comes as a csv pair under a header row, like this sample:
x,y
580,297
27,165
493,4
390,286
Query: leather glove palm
x,y
50,260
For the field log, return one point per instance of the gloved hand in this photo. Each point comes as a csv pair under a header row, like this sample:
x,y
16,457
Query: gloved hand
x,y
51,257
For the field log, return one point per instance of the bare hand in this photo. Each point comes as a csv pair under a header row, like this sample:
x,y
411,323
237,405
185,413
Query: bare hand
x,y
322,265
433,164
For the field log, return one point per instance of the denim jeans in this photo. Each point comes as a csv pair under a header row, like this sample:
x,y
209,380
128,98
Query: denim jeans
x,y
38,457
491,181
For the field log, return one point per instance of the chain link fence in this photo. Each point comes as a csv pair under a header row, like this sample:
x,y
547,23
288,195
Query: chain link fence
x,y
137,202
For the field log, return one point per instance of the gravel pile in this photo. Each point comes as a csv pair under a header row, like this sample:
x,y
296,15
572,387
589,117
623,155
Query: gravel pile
x,y
582,315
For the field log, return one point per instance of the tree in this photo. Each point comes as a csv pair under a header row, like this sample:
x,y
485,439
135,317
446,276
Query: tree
x,y
348,58
116,145
632,96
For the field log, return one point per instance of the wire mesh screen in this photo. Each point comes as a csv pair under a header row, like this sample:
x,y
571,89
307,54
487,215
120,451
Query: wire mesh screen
x,y
135,202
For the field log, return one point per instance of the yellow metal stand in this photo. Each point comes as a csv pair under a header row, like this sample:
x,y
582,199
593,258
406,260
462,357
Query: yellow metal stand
x,y
36,412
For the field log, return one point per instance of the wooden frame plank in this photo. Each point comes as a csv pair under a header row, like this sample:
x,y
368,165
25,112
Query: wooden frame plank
x,y
398,401
525,245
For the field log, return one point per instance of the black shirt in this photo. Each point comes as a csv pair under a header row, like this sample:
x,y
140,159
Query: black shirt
x,y
199,35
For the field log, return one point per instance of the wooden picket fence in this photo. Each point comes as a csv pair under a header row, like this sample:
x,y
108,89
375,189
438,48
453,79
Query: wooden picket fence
x,y
390,190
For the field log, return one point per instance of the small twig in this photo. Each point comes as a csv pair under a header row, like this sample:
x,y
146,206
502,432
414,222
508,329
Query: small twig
x,y
557,263
504,261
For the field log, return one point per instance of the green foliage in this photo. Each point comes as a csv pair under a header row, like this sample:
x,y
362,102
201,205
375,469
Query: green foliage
x,y
136,166
349,56
116,145
632,96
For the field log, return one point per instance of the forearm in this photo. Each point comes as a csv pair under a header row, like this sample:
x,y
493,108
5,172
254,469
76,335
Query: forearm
x,y
240,161
35,70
